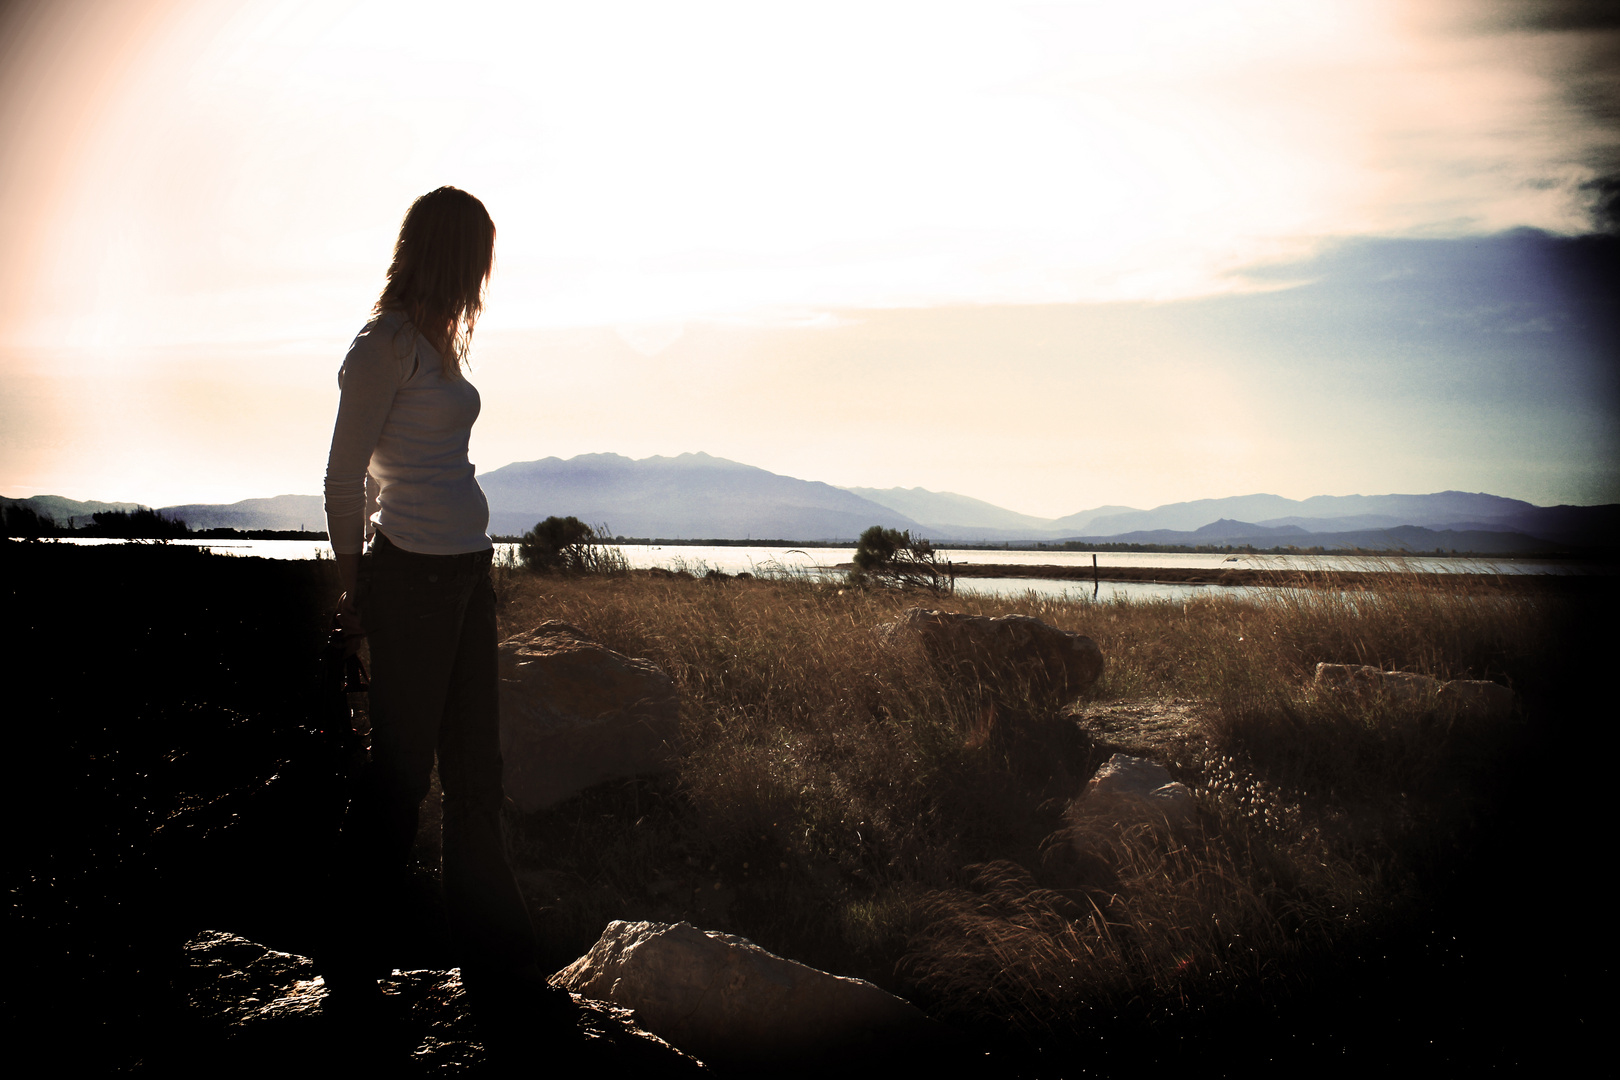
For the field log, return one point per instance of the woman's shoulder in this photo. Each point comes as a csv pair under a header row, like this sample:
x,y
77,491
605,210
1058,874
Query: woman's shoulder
x,y
387,342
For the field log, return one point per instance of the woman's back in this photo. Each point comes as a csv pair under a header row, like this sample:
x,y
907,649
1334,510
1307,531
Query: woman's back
x,y
404,422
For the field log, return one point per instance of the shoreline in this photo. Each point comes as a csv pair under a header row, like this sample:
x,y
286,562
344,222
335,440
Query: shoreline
x,y
1297,579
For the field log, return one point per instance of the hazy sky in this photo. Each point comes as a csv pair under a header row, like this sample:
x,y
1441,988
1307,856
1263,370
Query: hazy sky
x,y
1048,255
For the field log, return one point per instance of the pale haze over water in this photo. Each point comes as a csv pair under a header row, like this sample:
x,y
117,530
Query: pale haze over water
x,y
824,563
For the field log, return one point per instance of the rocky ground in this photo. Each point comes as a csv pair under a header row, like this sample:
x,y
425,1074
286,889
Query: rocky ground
x,y
251,1009
174,789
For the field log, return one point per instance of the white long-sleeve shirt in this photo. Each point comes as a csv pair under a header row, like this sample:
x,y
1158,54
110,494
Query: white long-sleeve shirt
x,y
399,448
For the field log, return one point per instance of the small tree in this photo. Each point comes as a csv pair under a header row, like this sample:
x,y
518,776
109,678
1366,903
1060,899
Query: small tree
x,y
569,546
142,523
22,521
892,557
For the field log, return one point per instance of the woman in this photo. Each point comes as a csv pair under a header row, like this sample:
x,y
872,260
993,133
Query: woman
x,y
423,598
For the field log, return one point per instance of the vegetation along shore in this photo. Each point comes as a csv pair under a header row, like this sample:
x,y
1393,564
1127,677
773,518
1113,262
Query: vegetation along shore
x,y
1394,576
1350,860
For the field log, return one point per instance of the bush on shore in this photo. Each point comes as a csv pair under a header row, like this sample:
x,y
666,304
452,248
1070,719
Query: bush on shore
x,y
566,545
892,557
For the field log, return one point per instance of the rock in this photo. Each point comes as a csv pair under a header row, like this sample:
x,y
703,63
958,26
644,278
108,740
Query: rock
x,y
237,980
1141,727
575,713
1131,790
263,1012
725,999
1397,687
1003,651
1476,699
1472,698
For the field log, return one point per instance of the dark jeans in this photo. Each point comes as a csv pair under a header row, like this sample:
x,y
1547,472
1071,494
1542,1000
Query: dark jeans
x,y
430,621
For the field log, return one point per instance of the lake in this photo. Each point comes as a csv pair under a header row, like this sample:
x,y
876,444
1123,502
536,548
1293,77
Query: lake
x,y
821,562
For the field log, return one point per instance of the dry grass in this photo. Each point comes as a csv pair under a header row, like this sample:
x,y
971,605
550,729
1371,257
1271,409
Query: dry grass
x,y
842,803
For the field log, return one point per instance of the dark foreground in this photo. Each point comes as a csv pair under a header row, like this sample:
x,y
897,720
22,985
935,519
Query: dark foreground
x,y
172,780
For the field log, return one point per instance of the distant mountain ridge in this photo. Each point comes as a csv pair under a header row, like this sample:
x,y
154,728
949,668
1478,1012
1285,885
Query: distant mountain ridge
x,y
698,496
69,511
1329,520
1412,538
946,510
691,496
290,512
1358,520
1441,508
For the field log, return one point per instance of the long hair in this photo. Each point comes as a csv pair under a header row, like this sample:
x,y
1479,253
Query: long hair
x,y
442,260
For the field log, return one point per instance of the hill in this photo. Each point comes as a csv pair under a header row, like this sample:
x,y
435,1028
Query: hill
x,y
289,512
697,496
692,496
69,512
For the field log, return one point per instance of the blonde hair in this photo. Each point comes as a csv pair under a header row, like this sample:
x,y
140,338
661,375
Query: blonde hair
x,y
442,260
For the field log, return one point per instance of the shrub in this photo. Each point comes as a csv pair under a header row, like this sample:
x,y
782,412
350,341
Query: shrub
x,y
892,557
19,520
569,546
142,523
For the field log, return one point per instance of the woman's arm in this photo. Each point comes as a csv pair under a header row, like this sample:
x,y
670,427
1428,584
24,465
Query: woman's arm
x,y
370,377
348,617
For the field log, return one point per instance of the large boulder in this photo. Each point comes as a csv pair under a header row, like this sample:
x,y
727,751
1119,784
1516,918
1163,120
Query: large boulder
x,y
725,999
1002,652
1473,699
575,713
1396,687
1128,790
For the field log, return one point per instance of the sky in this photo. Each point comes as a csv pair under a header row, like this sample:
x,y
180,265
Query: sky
x,y
1052,256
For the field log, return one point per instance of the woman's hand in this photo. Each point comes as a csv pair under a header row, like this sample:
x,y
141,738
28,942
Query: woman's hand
x,y
348,615
349,622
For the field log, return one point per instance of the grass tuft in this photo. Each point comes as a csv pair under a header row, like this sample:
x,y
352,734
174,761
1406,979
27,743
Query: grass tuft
x,y
842,802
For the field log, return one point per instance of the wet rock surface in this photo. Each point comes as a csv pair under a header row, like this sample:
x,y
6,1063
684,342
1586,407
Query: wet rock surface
x,y
1150,728
1128,790
258,1010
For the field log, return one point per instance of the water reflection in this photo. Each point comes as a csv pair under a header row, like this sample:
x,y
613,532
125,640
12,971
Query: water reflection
x,y
825,562
1104,591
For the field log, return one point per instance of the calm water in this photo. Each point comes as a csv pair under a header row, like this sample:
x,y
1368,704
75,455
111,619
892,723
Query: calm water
x,y
823,561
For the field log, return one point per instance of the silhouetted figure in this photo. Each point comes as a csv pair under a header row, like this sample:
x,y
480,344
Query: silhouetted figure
x,y
398,475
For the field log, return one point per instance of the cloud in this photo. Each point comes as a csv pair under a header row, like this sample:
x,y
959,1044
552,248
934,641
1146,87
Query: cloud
x,y
1605,203
1575,45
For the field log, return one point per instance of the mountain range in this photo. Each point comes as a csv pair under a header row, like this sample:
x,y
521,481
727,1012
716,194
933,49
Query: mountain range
x,y
696,496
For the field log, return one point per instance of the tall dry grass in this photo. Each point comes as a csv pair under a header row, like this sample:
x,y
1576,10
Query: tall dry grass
x,y
845,804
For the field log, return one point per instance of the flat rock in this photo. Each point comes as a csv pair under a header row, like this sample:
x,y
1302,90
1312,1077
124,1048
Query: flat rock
x,y
575,713
1004,651
1155,727
725,999
1131,790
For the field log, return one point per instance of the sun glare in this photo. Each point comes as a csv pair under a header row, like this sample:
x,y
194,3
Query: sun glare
x,y
193,187
667,162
